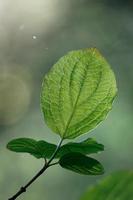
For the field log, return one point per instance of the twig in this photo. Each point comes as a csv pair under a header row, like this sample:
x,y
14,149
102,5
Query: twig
x,y
47,165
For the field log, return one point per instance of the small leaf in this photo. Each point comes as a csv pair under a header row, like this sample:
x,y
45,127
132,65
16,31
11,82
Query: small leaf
x,y
118,185
39,149
45,149
85,147
22,145
78,93
81,164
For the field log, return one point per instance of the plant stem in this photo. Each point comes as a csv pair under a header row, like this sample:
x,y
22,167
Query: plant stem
x,y
56,151
23,189
56,163
47,165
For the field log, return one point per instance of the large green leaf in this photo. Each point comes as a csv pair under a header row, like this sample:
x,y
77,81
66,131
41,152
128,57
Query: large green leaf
x,y
39,149
81,164
85,147
77,93
117,186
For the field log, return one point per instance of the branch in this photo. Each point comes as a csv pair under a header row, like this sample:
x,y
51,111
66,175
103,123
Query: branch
x,y
47,165
23,189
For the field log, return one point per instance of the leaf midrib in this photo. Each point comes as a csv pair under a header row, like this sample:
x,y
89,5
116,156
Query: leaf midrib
x,y
94,111
74,108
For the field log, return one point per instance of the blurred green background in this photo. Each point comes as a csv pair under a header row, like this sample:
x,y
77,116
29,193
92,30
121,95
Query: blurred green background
x,y
34,34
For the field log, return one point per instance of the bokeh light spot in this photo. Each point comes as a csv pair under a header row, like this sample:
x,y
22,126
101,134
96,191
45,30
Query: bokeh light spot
x,y
14,98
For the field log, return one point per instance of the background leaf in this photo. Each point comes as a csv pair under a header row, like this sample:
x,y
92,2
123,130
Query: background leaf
x,y
77,93
85,147
81,164
39,149
117,186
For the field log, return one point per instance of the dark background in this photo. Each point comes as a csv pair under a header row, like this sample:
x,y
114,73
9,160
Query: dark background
x,y
34,34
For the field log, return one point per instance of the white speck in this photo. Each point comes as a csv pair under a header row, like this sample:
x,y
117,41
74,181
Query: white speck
x,y
34,37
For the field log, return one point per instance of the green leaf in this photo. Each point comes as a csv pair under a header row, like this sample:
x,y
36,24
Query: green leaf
x,y
39,149
45,149
81,164
85,147
78,93
117,186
